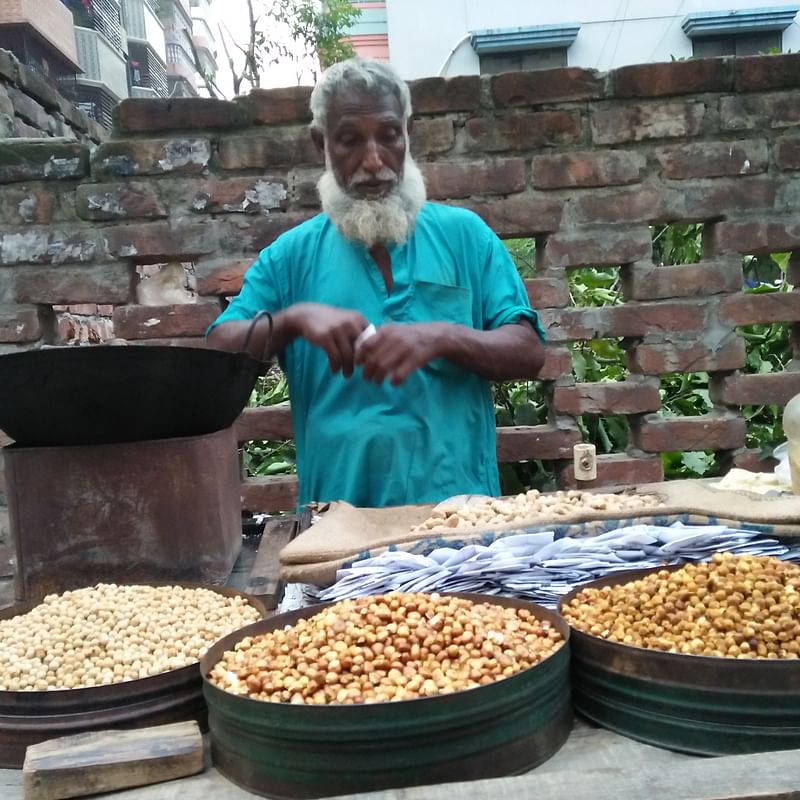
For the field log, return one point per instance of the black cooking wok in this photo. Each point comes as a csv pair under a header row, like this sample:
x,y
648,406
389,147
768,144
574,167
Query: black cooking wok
x,y
106,395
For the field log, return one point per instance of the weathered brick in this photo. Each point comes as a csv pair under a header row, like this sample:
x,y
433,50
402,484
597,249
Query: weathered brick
x,y
36,86
646,281
773,388
523,131
754,461
749,309
9,65
754,237
107,283
557,363
50,159
239,195
27,108
47,246
145,115
643,122
718,197
631,319
767,72
158,322
532,88
268,494
252,234
534,442
687,356
639,204
519,215
221,276
20,323
463,179
547,292
303,186
584,247
267,422
176,156
713,159
129,200
616,470
440,95
564,170
674,77
430,136
75,117
6,106
632,396
654,434
774,110
24,131
8,284
28,206
175,341
155,242
273,106
787,152
271,148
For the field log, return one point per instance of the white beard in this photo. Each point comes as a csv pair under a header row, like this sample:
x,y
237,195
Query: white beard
x,y
388,220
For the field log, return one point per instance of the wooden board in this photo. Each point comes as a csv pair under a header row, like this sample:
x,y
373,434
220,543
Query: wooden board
x,y
265,581
102,761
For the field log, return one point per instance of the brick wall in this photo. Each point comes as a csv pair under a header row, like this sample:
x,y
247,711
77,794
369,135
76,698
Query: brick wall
x,y
585,162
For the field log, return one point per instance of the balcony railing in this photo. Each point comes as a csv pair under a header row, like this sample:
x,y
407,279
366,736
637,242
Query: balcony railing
x,y
104,16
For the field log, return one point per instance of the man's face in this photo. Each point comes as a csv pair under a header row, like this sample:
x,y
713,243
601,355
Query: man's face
x,y
366,143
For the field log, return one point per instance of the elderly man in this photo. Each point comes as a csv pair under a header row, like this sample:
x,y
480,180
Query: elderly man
x,y
390,315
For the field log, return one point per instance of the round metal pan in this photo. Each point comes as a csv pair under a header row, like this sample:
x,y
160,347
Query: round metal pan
x,y
30,717
703,705
284,750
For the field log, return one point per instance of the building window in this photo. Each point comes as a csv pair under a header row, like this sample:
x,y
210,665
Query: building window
x,y
513,49
743,32
494,63
741,44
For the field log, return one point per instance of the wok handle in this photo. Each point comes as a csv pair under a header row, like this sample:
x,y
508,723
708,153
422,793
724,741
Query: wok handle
x,y
264,361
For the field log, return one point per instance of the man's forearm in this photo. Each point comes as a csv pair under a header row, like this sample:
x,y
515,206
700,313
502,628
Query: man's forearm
x,y
510,352
263,344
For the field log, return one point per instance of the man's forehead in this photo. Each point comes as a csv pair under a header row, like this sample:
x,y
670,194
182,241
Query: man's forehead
x,y
353,103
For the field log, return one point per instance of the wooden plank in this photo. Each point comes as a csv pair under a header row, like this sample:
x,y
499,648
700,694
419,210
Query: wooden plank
x,y
268,422
268,494
265,581
102,761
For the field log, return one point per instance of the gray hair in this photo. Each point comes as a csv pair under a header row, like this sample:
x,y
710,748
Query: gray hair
x,y
376,77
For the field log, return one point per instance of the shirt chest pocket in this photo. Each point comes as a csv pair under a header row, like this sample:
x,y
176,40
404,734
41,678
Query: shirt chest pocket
x,y
439,302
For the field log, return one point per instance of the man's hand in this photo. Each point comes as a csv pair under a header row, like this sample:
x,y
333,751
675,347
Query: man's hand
x,y
395,351
333,329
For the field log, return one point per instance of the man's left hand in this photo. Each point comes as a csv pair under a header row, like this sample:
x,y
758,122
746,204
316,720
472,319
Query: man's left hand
x,y
395,351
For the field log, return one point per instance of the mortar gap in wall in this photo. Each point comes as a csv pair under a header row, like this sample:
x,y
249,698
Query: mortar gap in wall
x,y
767,272
598,360
166,284
677,243
595,287
523,253
608,433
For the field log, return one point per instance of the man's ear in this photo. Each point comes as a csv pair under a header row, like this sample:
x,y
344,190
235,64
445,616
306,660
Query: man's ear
x,y
318,139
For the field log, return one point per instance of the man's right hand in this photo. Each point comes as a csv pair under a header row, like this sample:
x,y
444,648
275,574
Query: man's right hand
x,y
333,329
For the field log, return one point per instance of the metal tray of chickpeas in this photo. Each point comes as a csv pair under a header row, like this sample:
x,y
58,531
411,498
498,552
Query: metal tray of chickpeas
x,y
701,658
109,656
388,691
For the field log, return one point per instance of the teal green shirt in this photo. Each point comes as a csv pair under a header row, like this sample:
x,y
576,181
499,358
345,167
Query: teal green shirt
x,y
379,445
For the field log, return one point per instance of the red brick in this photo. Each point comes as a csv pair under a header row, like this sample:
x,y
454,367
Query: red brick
x,y
303,187
273,147
642,122
269,422
754,461
158,322
253,234
154,242
725,196
754,237
272,106
48,246
440,95
638,204
532,88
631,319
709,432
520,215
616,470
632,396
748,309
107,283
557,363
141,115
24,160
20,323
645,281
36,86
773,388
28,109
774,110
713,159
674,77
787,152
266,495
175,156
430,136
463,179
221,277
564,170
768,72
612,246
522,131
175,341
535,442
25,206
239,195
687,356
130,200
547,292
